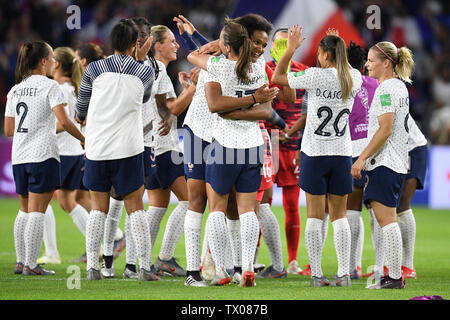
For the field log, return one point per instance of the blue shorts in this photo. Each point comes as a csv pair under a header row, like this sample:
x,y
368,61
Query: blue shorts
x,y
125,175
384,185
37,177
418,165
326,174
166,170
71,174
195,155
359,182
149,160
228,167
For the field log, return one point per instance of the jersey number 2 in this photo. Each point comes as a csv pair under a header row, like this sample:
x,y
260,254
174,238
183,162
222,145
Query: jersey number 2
x,y
23,106
324,109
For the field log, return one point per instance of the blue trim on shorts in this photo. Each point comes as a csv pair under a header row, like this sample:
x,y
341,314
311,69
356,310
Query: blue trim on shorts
x,y
37,177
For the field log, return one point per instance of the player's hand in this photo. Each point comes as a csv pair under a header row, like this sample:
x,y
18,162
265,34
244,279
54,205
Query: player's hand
x,y
295,38
185,24
265,94
184,79
298,158
142,51
180,25
194,75
357,167
332,32
210,48
164,129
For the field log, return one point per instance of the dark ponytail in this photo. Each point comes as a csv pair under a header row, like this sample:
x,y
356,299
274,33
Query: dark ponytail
x,y
236,36
124,35
30,55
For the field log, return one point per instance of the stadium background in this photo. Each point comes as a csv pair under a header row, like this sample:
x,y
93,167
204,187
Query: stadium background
x,y
423,26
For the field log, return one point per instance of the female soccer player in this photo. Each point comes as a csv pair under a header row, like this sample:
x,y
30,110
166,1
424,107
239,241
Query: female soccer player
x,y
385,158
67,72
238,141
32,105
111,95
326,146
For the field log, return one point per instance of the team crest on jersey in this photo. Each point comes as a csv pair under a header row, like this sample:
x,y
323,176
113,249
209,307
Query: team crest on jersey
x,y
385,100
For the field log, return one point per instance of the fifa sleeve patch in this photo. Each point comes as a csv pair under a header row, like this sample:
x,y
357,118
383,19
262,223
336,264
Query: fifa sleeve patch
x,y
385,100
299,73
215,59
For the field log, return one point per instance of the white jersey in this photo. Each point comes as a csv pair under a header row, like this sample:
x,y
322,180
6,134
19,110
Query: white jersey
x,y
198,117
69,145
326,132
390,96
168,142
149,109
416,137
31,104
237,134
111,95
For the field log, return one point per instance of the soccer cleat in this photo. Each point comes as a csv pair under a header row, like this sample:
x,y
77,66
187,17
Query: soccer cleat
x,y
208,268
129,274
118,247
236,279
18,268
344,281
148,275
258,267
49,260
93,274
108,272
320,282
356,274
408,273
37,271
248,279
306,271
170,266
387,282
82,259
221,279
195,281
293,267
270,272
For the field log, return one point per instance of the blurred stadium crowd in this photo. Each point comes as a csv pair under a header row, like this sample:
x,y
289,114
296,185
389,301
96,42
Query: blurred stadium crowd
x,y
423,26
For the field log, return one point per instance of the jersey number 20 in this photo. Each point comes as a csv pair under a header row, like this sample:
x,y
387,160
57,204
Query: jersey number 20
x,y
329,115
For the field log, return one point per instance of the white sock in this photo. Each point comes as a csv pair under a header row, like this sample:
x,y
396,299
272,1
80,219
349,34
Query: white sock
x,y
49,236
80,217
229,264
217,238
360,245
393,247
154,218
130,252
271,233
112,225
326,218
140,232
407,225
314,243
94,233
174,231
34,231
342,243
249,239
234,242
377,239
192,239
354,221
19,236
205,247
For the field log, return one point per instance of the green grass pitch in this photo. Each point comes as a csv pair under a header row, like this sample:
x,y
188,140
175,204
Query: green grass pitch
x,y
432,261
